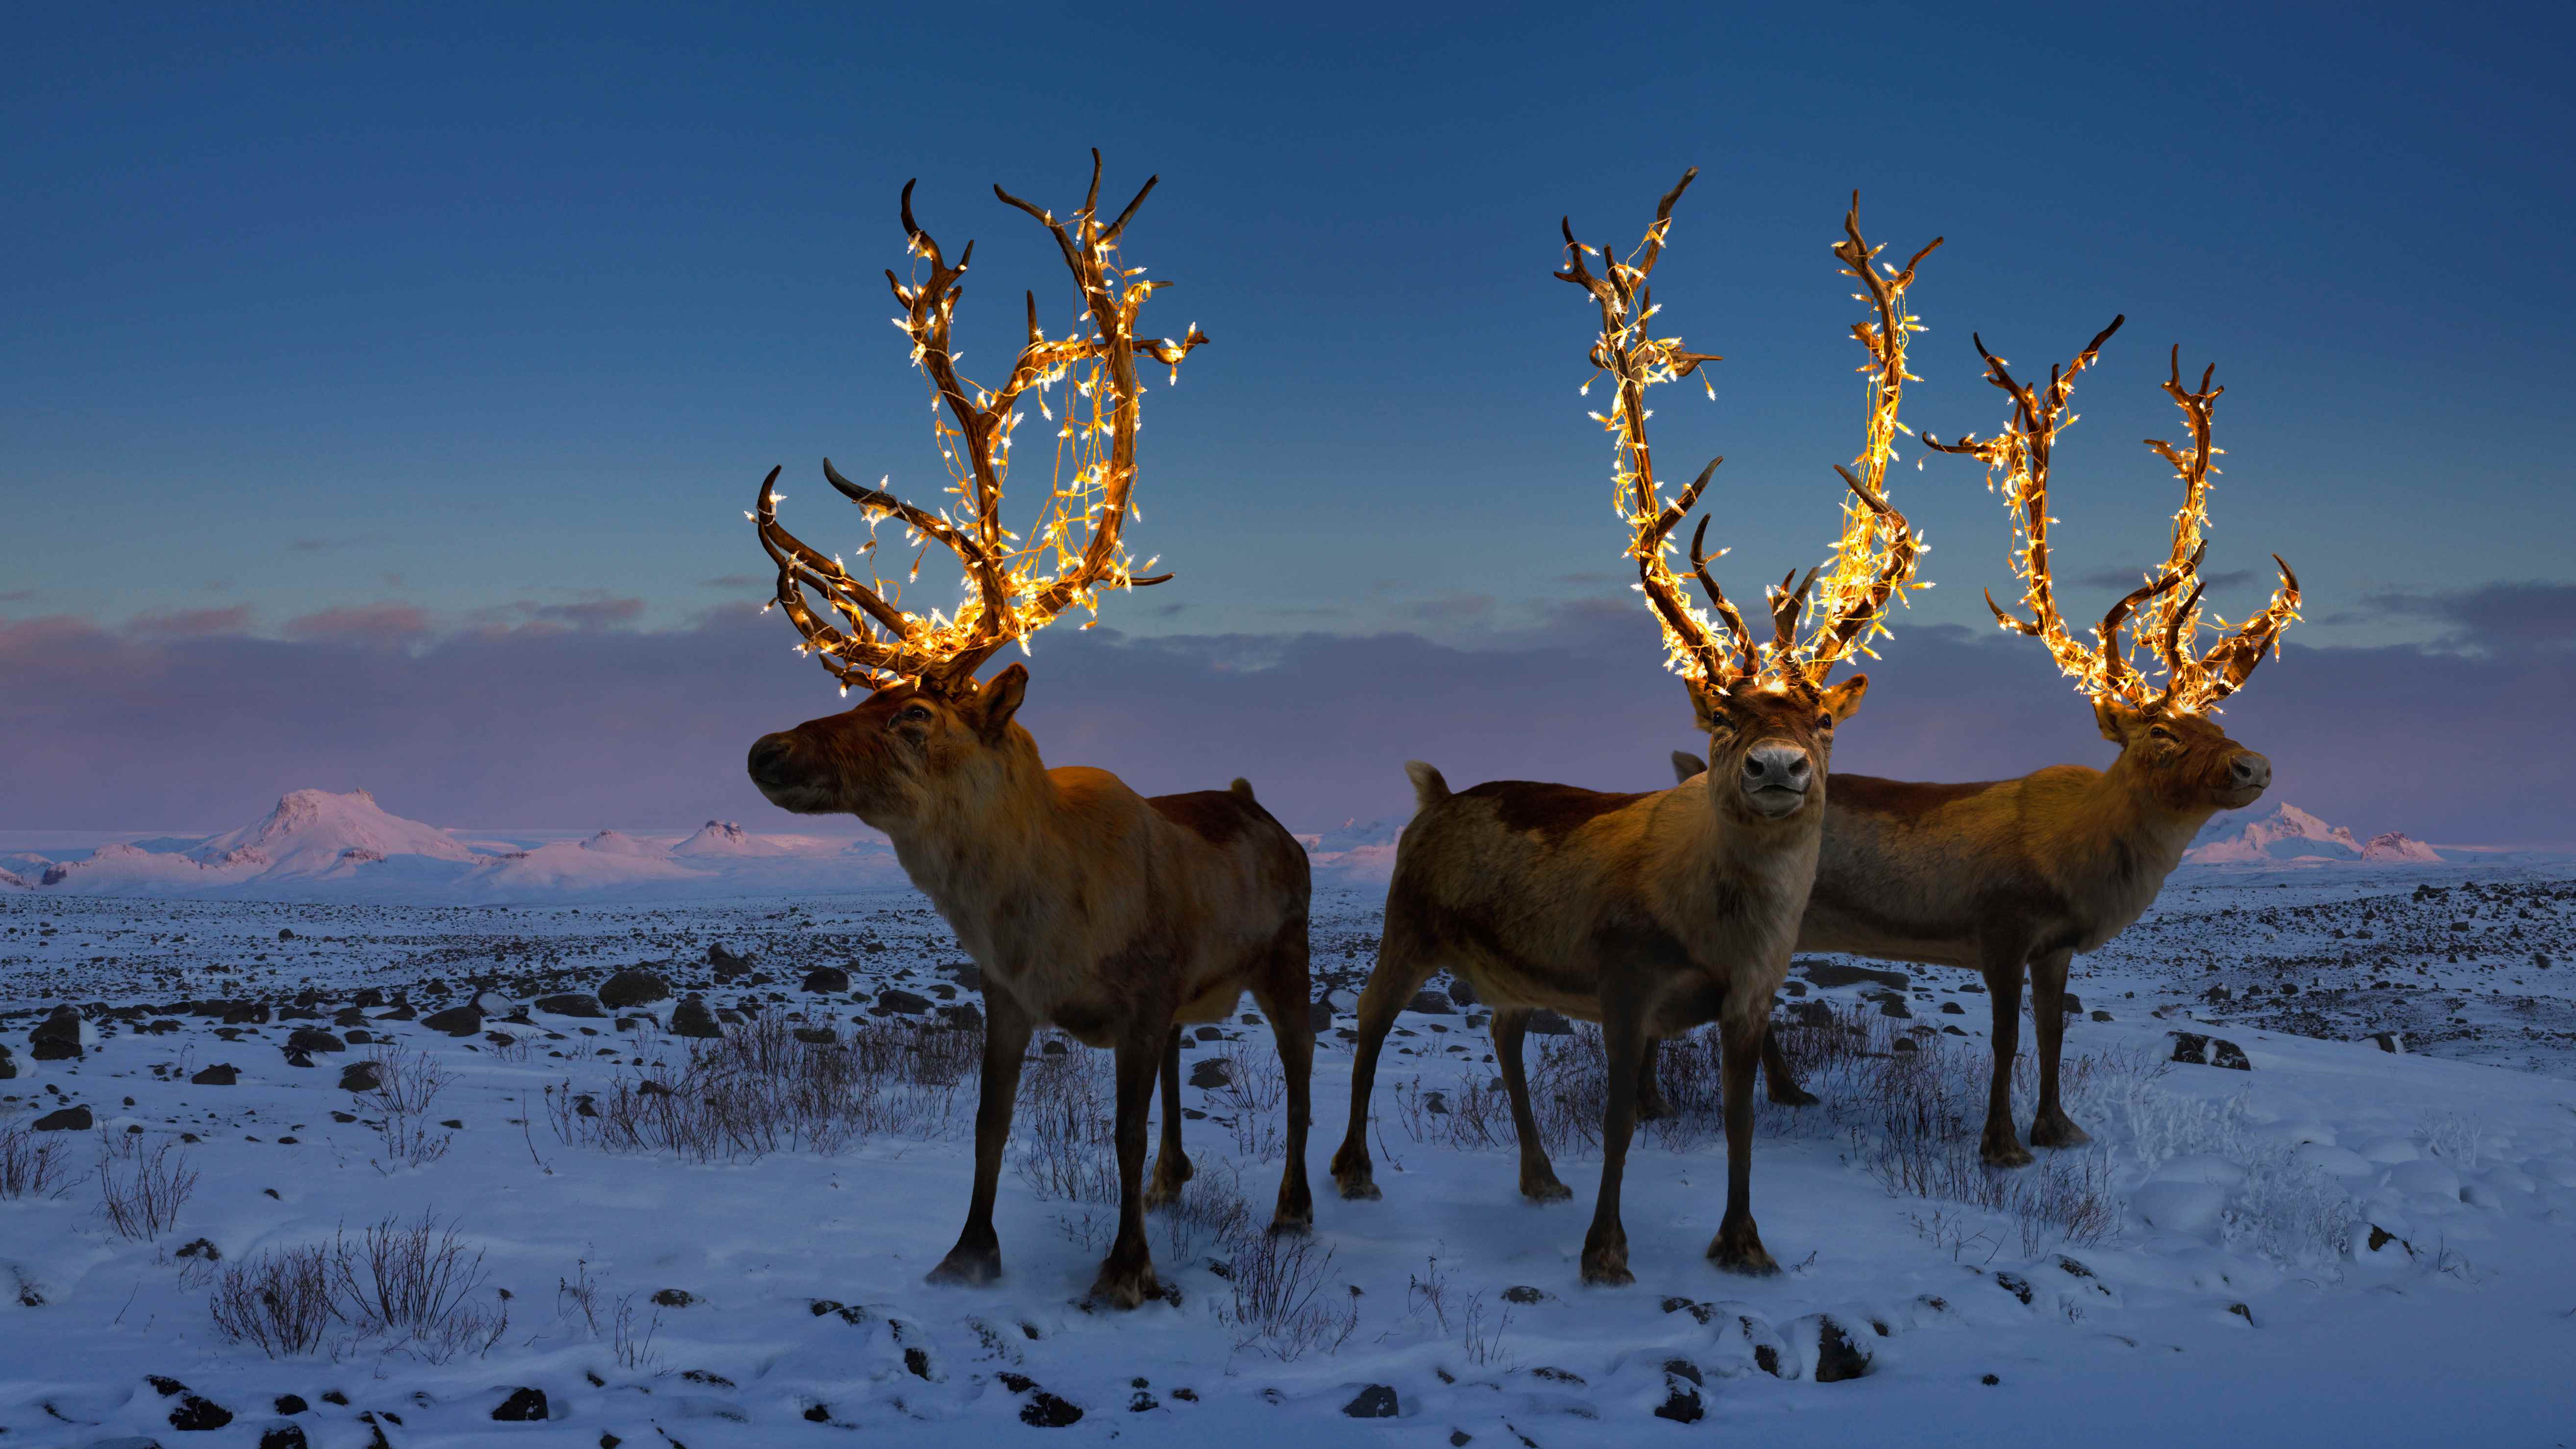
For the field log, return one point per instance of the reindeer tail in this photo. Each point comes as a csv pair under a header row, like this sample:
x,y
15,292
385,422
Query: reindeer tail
x,y
1428,788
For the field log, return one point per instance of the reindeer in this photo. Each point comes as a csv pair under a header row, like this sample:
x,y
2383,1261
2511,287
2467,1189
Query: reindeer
x,y
1110,915
1647,913
2002,873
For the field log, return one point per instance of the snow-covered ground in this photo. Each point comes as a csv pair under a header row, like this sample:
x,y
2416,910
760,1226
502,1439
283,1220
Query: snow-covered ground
x,y
2340,1243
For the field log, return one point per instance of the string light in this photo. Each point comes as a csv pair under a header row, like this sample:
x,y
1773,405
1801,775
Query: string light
x,y
2158,622
1873,563
1016,583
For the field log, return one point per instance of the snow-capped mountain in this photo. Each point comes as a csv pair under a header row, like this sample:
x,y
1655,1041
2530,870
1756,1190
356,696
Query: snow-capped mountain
x,y
724,838
618,842
10,878
2394,845
1354,852
2288,833
314,832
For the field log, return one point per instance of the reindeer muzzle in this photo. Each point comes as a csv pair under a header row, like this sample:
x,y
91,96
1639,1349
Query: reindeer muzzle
x,y
1775,778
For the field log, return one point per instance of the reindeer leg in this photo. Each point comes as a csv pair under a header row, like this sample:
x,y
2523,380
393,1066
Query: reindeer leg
x,y
2051,1127
2001,1146
1775,1073
1605,1247
1171,1165
1651,1106
1283,997
1538,1175
1401,969
977,1258
1737,1248
1127,1274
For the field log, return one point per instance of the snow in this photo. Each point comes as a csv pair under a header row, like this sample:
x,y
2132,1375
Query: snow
x,y
2395,845
314,832
1354,853
2339,1245
726,839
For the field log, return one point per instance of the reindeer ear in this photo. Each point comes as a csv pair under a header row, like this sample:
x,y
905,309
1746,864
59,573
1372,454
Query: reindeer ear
x,y
1841,700
1687,767
2115,719
1704,707
998,700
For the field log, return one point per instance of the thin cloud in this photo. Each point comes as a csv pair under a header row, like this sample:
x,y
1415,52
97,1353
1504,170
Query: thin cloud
x,y
193,623
361,621
733,581
2488,618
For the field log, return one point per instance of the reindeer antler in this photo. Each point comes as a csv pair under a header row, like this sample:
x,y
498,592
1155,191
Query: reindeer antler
x,y
1876,561
1019,587
2162,617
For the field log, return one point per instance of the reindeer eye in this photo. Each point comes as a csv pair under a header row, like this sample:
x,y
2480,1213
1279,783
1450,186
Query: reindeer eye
x,y
1825,722
2159,732
911,714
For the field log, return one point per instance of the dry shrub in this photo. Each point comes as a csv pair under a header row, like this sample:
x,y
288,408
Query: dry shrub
x,y
143,1182
278,1299
414,1283
32,1164
1066,1127
407,1084
760,1089
1277,1279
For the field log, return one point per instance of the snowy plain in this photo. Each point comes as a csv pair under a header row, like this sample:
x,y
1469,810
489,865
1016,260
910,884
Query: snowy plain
x,y
2338,1243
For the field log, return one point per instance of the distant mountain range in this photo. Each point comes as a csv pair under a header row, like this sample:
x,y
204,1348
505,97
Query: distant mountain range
x,y
320,844
2286,833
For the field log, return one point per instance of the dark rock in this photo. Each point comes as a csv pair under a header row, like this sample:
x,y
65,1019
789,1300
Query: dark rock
x,y
709,1377
1523,1293
1376,1401
8,1065
55,1049
521,1406
1952,1008
284,1436
1319,1015
2225,1053
69,1119
895,1001
203,1248
1544,1022
1830,974
314,1039
221,1074
827,978
2074,1004
572,1003
361,1076
818,1413
1210,1072
1046,1411
676,1298
966,1016
455,1021
1460,993
2390,1041
2190,1046
691,1018
633,986
1682,1402
291,1404
2014,1284
725,963
1429,1003
197,1415
1837,1357
815,1035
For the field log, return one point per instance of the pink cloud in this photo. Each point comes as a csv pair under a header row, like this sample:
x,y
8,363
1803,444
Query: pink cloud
x,y
193,623
361,621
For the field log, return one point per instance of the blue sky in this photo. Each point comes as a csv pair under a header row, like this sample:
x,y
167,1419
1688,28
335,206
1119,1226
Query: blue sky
x,y
431,320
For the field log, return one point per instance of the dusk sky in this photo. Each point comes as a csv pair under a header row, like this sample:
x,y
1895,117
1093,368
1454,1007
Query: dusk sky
x,y
384,388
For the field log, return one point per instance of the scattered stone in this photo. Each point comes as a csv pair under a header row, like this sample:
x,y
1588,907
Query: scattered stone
x,y
1210,1072
284,1436
8,1065
1046,1411
966,1016
2190,1046
1544,1022
314,1039
2241,1311
291,1404
1430,1003
1682,1383
361,1076
1523,1293
895,1001
1376,1401
1319,1014
815,1035
831,979
69,1119
2014,1284
2390,1041
633,986
521,1406
691,1018
57,1037
725,963
2224,1053
2101,1016
221,1074
1837,1357
198,1415
676,1298
202,1248
455,1021
708,1377
572,1003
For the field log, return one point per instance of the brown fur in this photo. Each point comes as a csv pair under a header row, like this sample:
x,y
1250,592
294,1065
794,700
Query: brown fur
x,y
2003,873
1647,913
1088,907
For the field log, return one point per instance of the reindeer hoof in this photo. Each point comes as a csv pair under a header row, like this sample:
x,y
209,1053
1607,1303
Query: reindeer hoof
x,y
1740,1250
2009,1153
1292,1225
1125,1287
2057,1131
967,1268
1653,1109
1607,1270
1794,1096
1545,1190
1164,1186
1352,1175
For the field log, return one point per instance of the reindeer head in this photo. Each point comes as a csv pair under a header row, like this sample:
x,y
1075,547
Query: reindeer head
x,y
904,755
1768,711
927,730
2178,755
